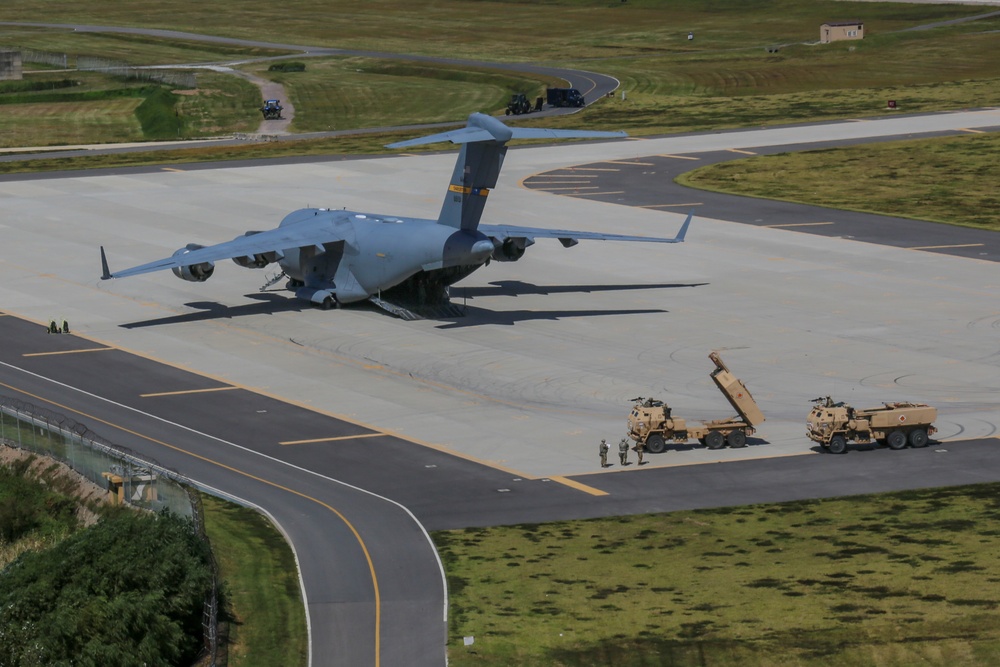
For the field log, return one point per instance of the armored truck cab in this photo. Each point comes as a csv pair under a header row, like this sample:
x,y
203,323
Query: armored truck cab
x,y
834,425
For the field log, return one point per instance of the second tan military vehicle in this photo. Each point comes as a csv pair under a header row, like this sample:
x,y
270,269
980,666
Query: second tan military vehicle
x,y
833,425
652,424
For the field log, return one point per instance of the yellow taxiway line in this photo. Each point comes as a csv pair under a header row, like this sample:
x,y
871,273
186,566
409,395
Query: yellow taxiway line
x,y
957,245
48,354
186,391
573,484
334,439
799,224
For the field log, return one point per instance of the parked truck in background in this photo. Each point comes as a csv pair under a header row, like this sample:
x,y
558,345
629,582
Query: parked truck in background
x,y
564,97
834,425
652,424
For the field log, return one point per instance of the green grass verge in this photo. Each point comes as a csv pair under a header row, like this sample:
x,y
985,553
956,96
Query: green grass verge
x,y
261,582
892,580
951,179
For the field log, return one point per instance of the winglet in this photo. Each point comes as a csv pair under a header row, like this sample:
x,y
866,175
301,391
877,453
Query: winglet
x,y
105,273
684,228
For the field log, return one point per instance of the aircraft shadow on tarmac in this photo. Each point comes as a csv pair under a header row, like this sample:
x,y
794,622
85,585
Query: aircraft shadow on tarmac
x,y
474,317
267,303
264,304
517,288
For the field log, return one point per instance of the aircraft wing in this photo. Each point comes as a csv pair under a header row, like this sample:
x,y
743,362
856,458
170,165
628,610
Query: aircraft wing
x,y
567,237
253,243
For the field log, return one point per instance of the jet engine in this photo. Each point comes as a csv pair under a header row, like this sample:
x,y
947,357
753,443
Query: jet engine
x,y
253,261
510,249
256,261
195,273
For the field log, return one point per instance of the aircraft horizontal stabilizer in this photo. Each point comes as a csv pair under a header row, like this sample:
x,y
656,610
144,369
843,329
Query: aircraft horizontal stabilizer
x,y
481,127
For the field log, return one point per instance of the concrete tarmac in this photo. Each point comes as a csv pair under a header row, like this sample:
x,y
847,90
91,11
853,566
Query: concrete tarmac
x,y
552,347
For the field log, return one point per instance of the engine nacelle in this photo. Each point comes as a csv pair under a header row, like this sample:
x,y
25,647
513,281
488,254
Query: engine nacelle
x,y
195,273
510,249
253,261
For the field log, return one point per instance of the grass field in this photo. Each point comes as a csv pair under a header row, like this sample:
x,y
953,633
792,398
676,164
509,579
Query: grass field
x,y
261,582
723,78
949,180
893,580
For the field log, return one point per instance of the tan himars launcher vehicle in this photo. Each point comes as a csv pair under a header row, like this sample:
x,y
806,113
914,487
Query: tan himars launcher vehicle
x,y
651,423
833,425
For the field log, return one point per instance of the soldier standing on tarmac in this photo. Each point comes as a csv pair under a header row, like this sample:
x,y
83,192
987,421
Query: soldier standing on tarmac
x,y
638,451
623,451
603,448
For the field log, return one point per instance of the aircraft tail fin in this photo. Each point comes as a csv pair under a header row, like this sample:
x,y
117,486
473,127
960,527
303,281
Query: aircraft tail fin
x,y
484,145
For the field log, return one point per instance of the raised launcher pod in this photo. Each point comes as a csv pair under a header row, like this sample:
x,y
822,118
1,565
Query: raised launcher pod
x,y
736,392
651,422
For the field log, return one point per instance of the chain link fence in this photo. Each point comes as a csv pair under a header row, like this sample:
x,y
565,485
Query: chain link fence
x,y
130,479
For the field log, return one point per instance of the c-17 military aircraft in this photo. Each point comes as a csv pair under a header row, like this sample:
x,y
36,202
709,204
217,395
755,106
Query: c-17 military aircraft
x,y
334,257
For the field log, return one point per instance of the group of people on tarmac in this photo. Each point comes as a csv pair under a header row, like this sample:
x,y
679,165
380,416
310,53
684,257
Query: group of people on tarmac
x,y
623,448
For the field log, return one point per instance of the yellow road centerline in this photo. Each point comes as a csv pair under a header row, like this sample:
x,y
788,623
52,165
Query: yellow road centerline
x,y
669,205
573,484
800,224
334,439
48,354
957,245
186,391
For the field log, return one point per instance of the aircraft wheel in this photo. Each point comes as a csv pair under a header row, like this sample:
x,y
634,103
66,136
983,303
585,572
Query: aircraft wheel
x,y
918,438
736,439
896,440
714,440
838,445
655,444
327,303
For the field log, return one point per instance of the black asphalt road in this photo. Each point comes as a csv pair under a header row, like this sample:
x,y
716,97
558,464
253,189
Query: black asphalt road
x,y
649,182
344,492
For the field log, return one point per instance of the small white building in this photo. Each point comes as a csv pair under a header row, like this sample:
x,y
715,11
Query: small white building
x,y
840,30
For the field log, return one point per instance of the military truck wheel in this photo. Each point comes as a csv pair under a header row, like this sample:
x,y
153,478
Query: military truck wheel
x,y
896,440
714,440
655,444
736,439
918,438
837,445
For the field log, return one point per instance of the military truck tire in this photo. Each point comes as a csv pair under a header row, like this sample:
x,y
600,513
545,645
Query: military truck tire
x,y
896,440
714,440
838,445
736,439
655,444
918,438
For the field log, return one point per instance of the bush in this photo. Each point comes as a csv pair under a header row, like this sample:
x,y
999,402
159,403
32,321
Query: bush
x,y
129,590
287,67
